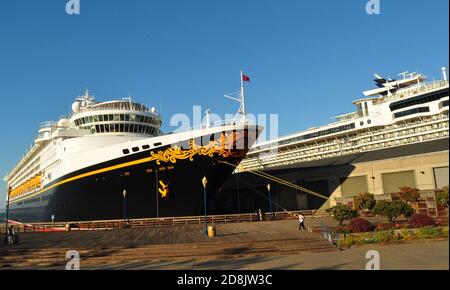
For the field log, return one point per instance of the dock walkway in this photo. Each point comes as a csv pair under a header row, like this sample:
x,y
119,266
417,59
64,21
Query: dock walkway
x,y
110,247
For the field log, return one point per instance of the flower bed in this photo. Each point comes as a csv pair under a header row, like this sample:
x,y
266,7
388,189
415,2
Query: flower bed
x,y
392,235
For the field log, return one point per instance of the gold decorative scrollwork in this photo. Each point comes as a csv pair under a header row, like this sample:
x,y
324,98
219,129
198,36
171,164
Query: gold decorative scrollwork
x,y
223,147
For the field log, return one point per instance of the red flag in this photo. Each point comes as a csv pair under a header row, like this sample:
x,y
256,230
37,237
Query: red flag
x,y
245,78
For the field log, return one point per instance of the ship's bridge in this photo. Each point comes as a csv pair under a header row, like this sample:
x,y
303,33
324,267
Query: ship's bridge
x,y
120,116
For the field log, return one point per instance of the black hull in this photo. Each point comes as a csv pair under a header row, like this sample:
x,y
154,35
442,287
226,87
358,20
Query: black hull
x,y
100,196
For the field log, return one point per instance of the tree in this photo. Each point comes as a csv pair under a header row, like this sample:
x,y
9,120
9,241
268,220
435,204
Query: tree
x,y
364,201
409,195
342,213
442,197
393,209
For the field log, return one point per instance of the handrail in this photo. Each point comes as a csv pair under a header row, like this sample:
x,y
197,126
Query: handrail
x,y
158,222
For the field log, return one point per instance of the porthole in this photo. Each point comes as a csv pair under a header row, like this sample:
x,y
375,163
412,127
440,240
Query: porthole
x,y
361,123
126,151
135,149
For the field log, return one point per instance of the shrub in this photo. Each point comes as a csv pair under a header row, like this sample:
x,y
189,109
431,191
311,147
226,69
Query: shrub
x,y
406,235
365,201
442,197
409,194
421,220
342,213
393,209
360,225
429,232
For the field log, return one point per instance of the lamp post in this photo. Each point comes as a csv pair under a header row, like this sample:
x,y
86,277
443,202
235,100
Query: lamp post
x,y
7,215
157,195
270,200
124,193
205,182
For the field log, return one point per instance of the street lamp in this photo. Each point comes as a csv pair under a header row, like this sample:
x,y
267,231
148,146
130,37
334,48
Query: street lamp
x,y
7,215
270,200
205,182
124,193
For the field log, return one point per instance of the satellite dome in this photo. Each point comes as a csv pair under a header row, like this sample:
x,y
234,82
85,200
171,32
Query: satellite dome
x,y
153,110
76,107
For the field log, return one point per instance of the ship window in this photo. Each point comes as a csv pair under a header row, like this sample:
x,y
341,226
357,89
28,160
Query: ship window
x,y
97,128
146,119
411,112
102,128
135,149
106,128
127,118
157,144
127,128
111,117
145,147
126,151
133,117
100,118
426,98
122,117
95,118
116,127
443,104
135,129
121,128
105,118
91,119
116,117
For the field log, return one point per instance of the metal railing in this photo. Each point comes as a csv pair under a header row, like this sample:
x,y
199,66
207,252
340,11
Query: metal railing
x,y
159,222
327,233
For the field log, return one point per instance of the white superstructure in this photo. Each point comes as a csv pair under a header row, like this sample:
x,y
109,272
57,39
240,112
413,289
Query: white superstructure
x,y
79,141
398,112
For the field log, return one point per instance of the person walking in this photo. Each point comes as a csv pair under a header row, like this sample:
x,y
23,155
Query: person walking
x,y
301,222
260,215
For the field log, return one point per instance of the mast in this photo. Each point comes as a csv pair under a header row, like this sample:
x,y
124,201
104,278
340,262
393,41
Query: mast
x,y
242,95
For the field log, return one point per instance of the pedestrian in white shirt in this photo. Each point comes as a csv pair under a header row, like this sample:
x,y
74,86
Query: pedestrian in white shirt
x,y
301,222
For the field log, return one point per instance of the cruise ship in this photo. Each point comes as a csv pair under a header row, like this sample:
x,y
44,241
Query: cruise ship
x,y
110,160
397,136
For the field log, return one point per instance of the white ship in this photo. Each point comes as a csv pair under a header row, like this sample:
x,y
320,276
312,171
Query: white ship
x,y
109,160
401,118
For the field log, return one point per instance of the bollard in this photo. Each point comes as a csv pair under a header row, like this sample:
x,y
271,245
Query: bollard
x,y
211,231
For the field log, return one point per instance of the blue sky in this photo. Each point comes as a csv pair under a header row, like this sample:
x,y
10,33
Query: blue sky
x,y
308,60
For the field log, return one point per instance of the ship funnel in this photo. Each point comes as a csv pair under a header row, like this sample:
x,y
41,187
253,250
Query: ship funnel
x,y
444,73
